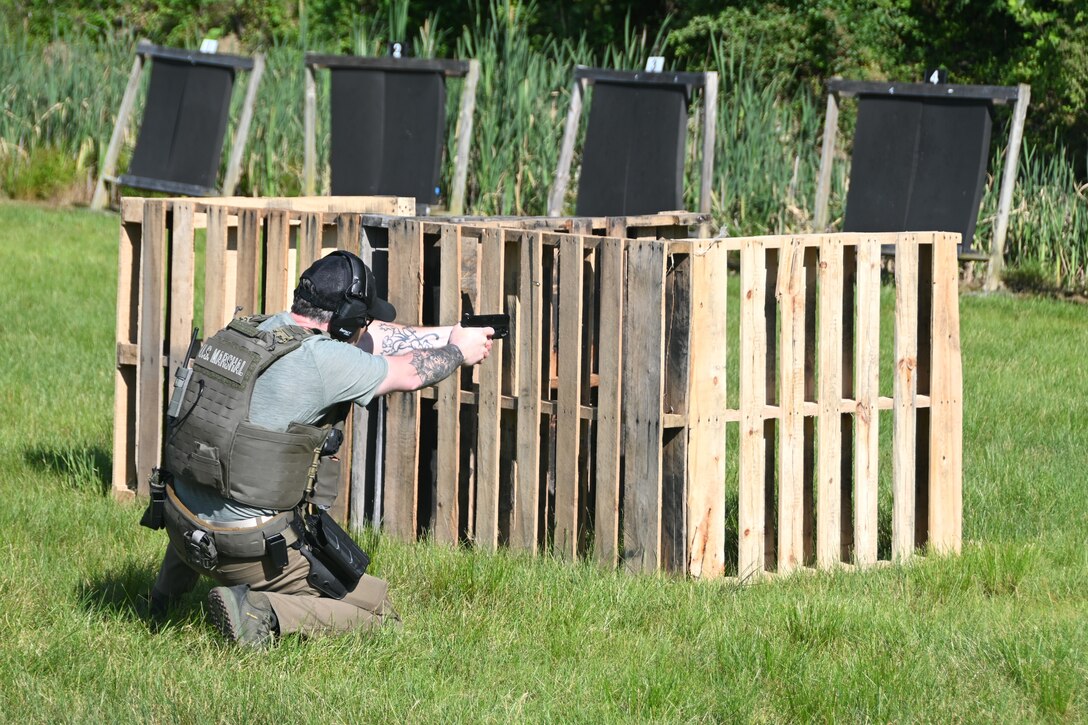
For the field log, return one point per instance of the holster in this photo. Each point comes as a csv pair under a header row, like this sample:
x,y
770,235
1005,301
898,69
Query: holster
x,y
336,561
153,514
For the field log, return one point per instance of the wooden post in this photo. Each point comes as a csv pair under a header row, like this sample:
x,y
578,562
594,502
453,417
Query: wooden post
x,y
309,132
241,134
464,138
1008,183
109,163
566,151
827,158
710,126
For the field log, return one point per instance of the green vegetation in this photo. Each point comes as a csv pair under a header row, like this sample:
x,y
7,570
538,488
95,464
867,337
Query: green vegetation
x,y
996,634
64,68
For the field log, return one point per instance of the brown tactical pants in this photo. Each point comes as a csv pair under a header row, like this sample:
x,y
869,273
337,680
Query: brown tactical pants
x,y
298,606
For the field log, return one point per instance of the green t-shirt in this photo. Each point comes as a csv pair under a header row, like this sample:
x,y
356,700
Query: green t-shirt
x,y
299,387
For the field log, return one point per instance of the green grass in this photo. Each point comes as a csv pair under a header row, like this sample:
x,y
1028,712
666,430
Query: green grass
x,y
996,634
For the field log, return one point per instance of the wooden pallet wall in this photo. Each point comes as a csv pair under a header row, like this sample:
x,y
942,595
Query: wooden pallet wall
x,y
701,406
599,428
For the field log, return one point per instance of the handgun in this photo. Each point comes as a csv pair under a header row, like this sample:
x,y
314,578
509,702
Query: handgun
x,y
499,322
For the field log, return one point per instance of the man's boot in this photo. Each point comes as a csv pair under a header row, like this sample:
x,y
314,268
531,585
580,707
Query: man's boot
x,y
242,616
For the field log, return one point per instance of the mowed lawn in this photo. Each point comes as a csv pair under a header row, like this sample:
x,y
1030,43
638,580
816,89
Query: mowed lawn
x,y
999,633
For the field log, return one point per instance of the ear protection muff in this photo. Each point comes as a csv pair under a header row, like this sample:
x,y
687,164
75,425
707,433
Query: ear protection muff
x,y
353,312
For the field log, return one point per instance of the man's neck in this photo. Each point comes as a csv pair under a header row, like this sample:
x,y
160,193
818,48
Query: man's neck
x,y
309,323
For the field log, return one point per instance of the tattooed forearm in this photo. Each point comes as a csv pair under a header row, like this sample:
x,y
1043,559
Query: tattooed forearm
x,y
437,363
398,340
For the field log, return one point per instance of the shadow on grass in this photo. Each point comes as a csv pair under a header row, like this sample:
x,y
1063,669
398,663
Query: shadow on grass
x,y
83,468
124,594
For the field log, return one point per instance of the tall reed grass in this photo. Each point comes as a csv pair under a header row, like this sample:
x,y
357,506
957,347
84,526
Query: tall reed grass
x,y
1048,221
64,96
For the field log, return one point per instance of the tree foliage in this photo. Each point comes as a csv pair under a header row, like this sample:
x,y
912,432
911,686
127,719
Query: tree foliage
x,y
994,42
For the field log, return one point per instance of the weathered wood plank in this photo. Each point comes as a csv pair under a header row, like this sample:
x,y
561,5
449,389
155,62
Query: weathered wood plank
x,y
828,502
402,412
149,370
707,400
753,397
179,295
905,389
129,247
524,529
448,405
866,392
643,387
278,284
791,366
946,402
348,238
249,262
568,439
220,269
309,244
489,429
609,421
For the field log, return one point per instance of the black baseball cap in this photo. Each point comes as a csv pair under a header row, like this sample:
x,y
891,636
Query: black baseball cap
x,y
329,280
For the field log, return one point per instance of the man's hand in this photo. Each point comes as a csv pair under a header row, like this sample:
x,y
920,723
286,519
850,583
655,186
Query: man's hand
x,y
474,342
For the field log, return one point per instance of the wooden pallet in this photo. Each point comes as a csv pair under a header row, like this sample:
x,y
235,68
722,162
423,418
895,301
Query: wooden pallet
x,y
599,427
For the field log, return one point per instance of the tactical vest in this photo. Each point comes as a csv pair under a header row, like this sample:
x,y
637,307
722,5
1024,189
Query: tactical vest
x,y
214,444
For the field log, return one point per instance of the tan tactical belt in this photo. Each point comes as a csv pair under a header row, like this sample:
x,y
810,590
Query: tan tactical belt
x,y
245,542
